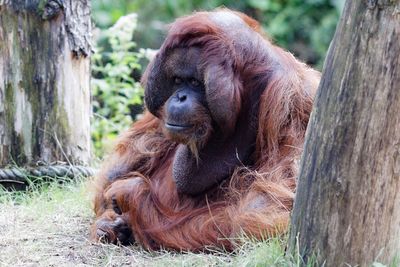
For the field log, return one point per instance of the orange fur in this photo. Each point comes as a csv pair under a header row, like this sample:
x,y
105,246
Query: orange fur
x,y
257,199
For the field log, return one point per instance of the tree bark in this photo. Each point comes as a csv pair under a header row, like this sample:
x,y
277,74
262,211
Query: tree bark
x,y
44,81
347,206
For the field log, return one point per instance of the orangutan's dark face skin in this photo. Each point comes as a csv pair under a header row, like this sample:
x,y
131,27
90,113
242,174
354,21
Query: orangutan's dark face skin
x,y
185,114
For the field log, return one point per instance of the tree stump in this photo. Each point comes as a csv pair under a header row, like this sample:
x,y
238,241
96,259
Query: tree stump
x,y
44,82
347,206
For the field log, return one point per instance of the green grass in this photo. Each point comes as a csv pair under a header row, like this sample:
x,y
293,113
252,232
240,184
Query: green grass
x,y
48,226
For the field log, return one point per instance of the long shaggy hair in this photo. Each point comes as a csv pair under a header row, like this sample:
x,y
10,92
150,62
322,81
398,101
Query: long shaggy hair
x,y
257,199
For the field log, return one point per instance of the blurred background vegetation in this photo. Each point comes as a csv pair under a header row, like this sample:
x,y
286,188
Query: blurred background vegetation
x,y
303,27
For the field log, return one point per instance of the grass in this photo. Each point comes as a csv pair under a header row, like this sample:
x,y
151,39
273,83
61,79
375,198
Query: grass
x,y
48,226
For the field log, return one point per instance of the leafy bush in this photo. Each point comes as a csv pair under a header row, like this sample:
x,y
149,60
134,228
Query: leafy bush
x,y
114,89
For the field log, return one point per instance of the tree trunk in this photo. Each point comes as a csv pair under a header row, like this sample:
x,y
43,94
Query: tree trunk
x,y
347,207
44,81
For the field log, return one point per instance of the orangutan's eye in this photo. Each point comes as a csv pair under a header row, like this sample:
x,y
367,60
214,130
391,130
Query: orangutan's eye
x,y
177,80
194,82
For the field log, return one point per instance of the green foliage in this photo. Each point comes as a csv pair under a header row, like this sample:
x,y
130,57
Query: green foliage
x,y
303,27
115,91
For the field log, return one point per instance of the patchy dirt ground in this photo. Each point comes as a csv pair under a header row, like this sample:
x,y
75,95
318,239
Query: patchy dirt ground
x,y
49,227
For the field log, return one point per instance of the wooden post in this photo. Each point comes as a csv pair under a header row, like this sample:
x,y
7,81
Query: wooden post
x,y
44,81
347,206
